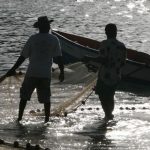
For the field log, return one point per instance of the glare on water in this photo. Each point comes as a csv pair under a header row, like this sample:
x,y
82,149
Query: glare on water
x,y
81,128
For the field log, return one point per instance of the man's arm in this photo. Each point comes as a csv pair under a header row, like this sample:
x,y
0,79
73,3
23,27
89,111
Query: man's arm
x,y
60,64
98,59
124,57
59,60
12,71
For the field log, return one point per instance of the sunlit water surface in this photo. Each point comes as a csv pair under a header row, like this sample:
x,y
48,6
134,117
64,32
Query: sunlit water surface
x,y
81,128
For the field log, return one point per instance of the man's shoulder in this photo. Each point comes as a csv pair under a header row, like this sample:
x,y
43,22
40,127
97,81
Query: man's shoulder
x,y
113,43
120,43
33,36
40,36
53,37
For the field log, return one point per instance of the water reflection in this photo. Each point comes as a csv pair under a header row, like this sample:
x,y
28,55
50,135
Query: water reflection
x,y
87,18
24,132
97,133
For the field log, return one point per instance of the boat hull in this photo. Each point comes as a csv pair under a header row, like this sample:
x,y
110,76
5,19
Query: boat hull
x,y
137,72
93,44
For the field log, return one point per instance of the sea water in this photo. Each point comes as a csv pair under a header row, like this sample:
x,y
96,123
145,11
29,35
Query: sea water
x,y
80,129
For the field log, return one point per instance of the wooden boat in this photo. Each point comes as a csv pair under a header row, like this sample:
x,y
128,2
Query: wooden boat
x,y
86,43
136,70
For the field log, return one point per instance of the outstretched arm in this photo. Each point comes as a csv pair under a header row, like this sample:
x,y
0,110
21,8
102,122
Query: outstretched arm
x,y
98,59
12,71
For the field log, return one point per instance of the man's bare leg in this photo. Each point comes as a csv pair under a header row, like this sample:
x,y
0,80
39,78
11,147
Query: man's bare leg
x,y
47,111
22,106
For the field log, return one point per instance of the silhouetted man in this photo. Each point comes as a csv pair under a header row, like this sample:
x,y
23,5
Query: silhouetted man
x,y
112,58
40,49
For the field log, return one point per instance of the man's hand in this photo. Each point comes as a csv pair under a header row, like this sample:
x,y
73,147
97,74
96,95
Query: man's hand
x,y
61,77
12,71
92,68
59,61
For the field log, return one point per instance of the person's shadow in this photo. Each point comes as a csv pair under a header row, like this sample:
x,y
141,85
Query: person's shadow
x,y
97,133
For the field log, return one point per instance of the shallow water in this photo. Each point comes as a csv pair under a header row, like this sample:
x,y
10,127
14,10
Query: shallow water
x,y
80,129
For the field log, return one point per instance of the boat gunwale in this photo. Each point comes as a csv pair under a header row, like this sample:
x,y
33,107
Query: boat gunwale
x,y
76,43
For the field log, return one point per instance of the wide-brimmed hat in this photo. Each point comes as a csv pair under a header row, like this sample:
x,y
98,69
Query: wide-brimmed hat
x,y
43,20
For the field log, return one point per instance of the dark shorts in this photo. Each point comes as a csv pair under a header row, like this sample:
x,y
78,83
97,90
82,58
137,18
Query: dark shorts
x,y
105,91
42,86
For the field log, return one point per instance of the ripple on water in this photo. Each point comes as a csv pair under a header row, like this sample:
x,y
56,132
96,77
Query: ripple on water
x,y
79,129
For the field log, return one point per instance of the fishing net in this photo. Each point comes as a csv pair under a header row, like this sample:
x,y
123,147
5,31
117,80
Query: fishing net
x,y
66,96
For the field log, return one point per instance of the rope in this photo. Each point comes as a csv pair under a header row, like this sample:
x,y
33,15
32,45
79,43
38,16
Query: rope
x,y
70,105
64,107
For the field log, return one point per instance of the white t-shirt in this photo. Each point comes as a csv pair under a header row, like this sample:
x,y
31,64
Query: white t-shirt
x,y
40,49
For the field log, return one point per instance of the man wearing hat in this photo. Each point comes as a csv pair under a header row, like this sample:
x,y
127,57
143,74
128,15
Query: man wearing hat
x,y
40,49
